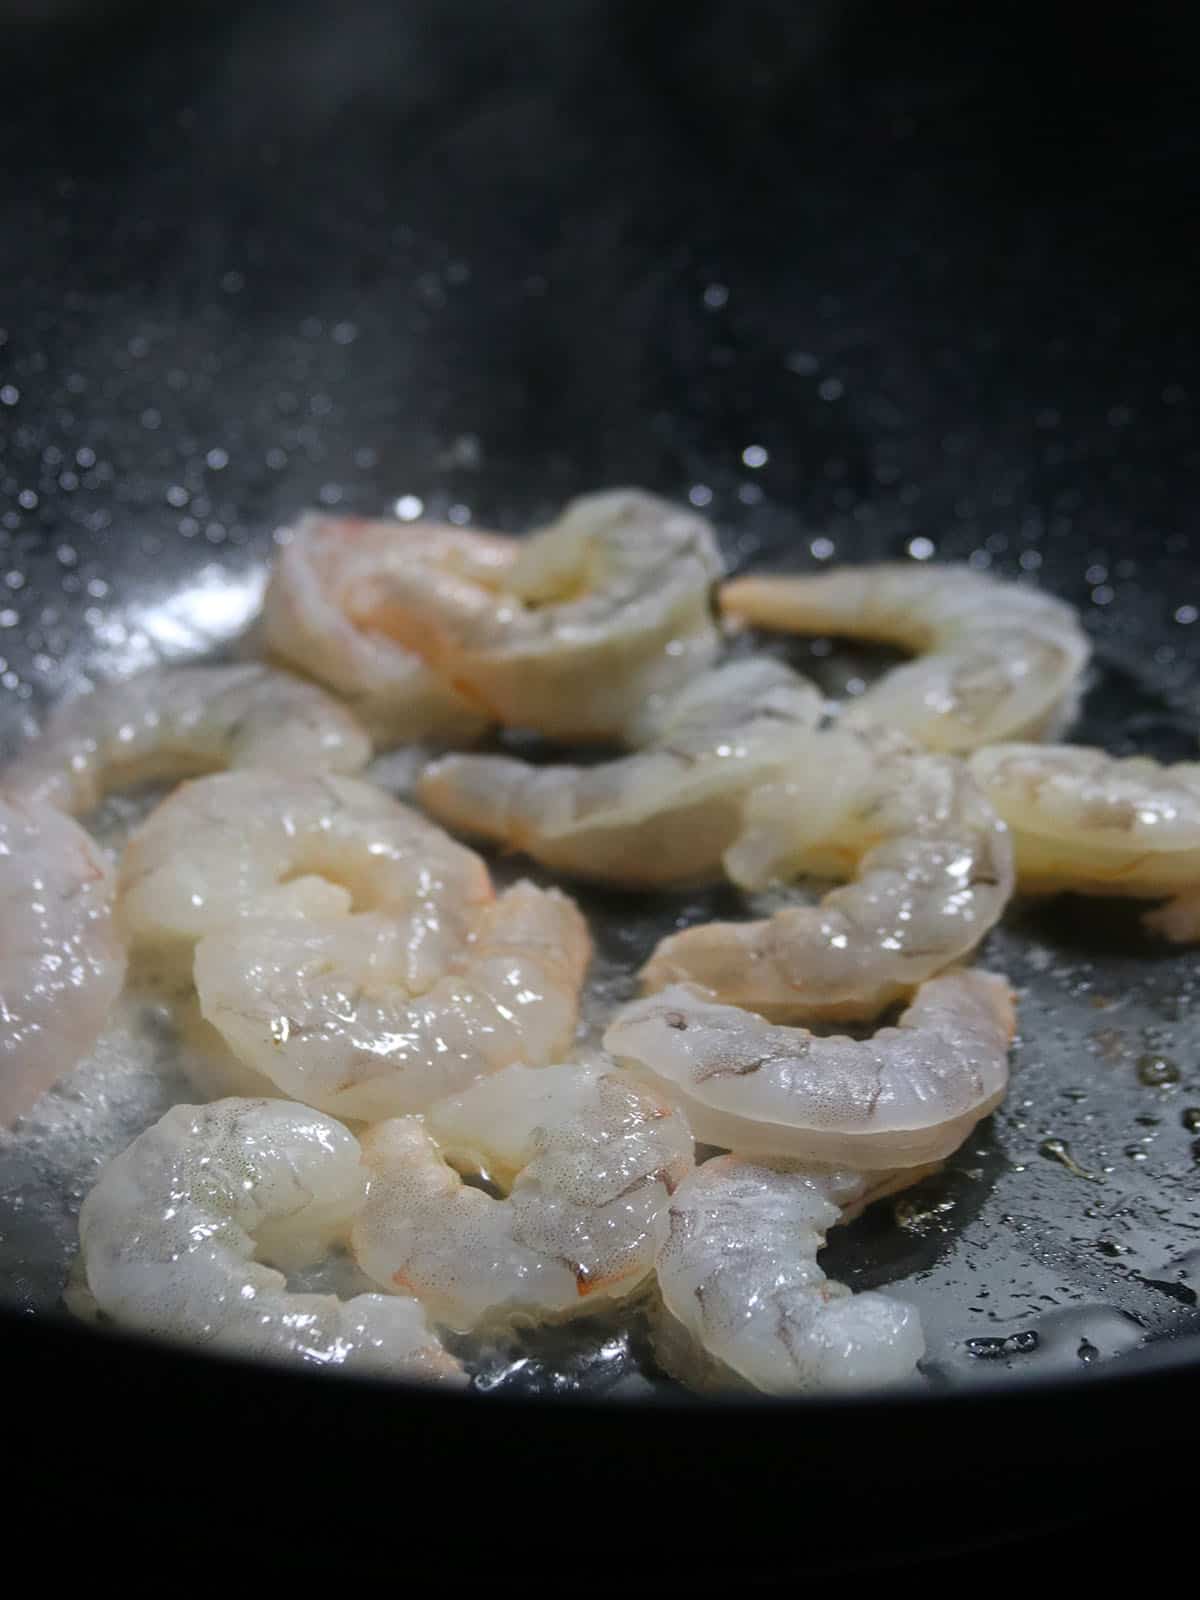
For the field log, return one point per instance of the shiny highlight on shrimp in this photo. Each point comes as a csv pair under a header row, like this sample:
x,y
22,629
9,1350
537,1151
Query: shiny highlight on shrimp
x,y
586,1159
996,660
904,1097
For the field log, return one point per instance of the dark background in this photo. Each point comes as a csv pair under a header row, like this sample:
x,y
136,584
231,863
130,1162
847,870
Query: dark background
x,y
939,262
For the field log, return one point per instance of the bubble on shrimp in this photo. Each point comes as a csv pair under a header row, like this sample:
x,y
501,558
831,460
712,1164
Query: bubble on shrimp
x,y
933,871
183,721
904,1097
745,1301
663,815
996,660
585,1160
186,1231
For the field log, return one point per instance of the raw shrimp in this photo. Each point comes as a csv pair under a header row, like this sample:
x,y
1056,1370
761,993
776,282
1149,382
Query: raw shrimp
x,y
175,1234
349,950
997,660
604,609
1095,824
326,1010
904,1097
61,961
933,872
254,844
745,1298
317,609
586,1159
663,815
183,721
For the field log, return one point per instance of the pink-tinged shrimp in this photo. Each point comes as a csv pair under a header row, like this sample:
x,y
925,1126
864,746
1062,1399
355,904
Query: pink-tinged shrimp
x,y
324,590
179,722
601,612
996,660
345,947
664,814
586,1159
177,1234
906,1096
1094,824
61,961
745,1300
932,865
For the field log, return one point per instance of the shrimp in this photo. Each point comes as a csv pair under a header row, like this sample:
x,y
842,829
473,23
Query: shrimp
x,y
586,1159
176,1233
605,609
183,721
663,815
1095,824
344,946
998,660
907,1096
252,844
318,604
745,1299
62,963
326,1010
933,872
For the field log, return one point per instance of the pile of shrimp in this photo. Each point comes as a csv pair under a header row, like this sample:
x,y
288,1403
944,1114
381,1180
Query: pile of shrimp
x,y
400,1076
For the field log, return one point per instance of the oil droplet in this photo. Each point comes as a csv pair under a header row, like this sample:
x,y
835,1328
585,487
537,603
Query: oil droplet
x,y
1059,1150
1191,1118
1087,1350
1110,1247
1135,1152
993,1347
1196,1151
1154,1070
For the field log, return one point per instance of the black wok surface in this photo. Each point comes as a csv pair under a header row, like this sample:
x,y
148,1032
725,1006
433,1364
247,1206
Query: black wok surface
x,y
939,267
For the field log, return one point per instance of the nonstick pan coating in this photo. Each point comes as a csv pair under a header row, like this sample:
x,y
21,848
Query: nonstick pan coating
x,y
931,266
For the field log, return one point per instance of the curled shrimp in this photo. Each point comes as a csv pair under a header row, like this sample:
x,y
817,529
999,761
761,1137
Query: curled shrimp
x,y
177,1232
184,721
345,947
996,660
586,1159
61,961
664,814
933,873
745,1298
1095,824
604,609
907,1096
317,616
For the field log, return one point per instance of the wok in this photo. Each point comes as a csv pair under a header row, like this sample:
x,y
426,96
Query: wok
x,y
933,266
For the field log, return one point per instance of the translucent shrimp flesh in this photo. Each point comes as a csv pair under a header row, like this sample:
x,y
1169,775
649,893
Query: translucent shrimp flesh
x,y
603,610
317,613
745,1300
185,1232
996,660
345,947
906,1096
662,815
1099,825
932,866
183,721
62,962
586,1160
327,1012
